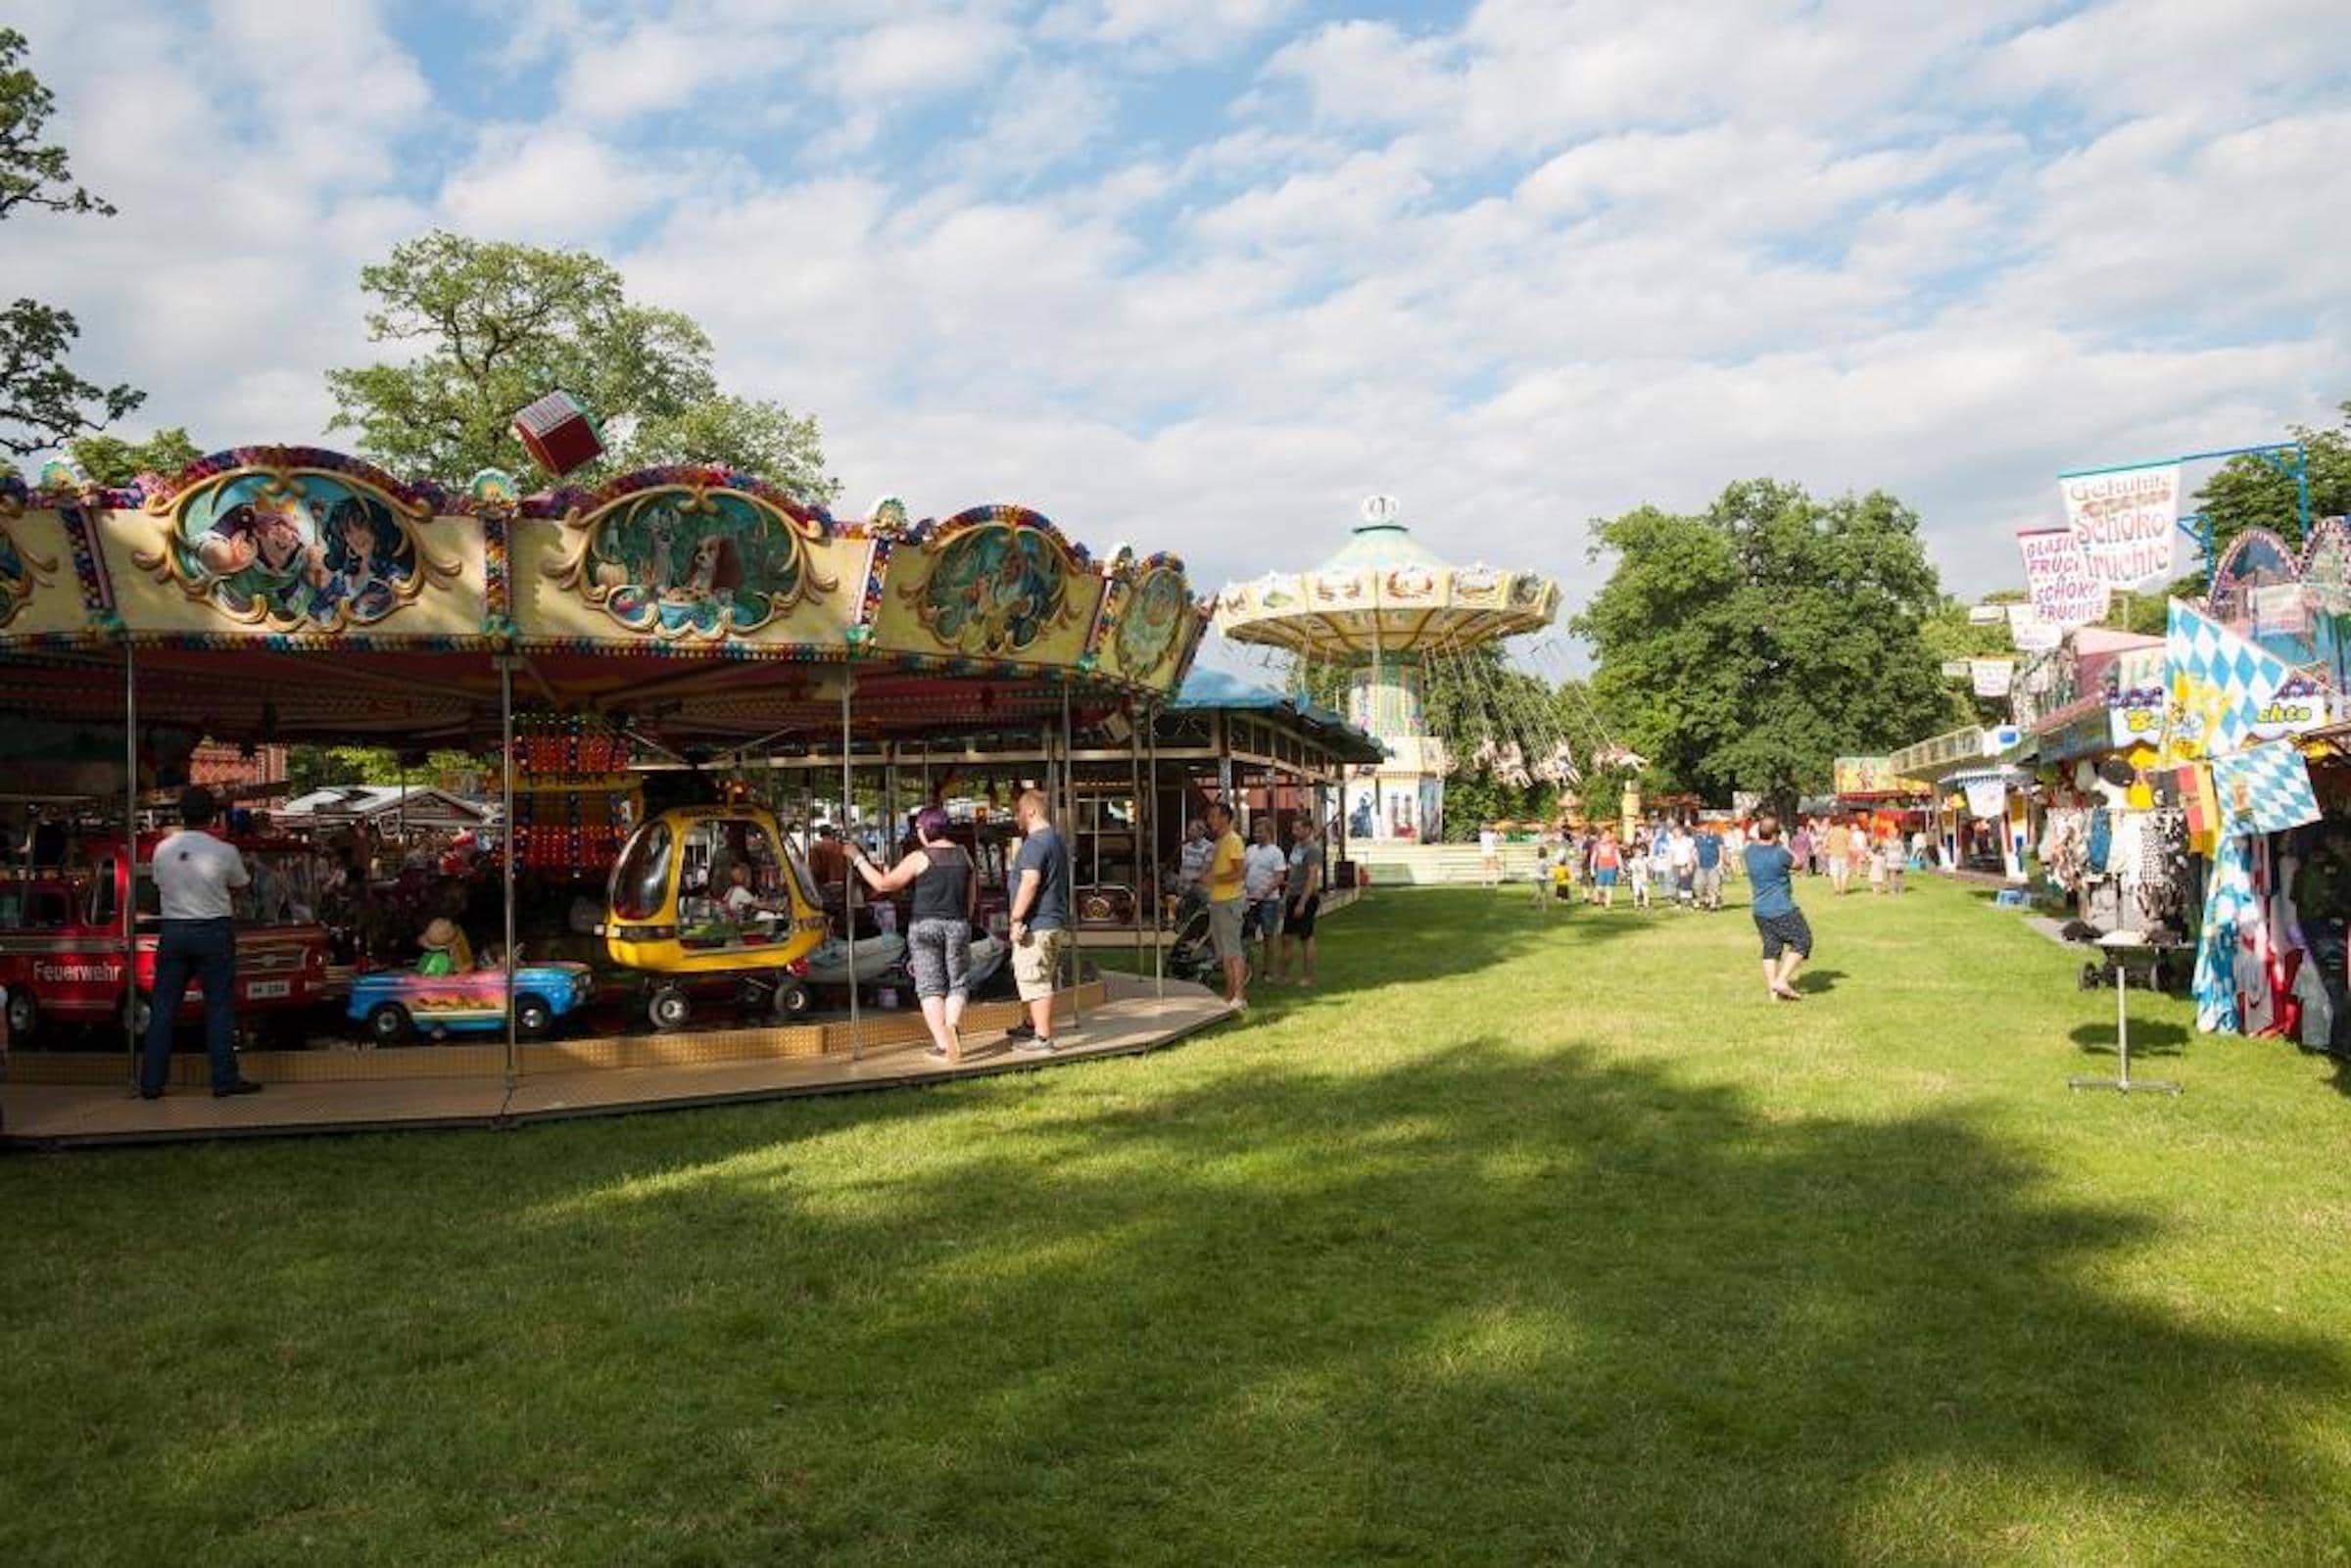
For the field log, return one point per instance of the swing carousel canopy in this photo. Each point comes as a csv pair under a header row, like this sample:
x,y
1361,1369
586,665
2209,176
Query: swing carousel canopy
x,y
287,591
1384,594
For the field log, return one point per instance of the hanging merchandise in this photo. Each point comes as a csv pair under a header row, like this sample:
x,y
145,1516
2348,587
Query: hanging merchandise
x,y
2227,903
2264,790
1987,796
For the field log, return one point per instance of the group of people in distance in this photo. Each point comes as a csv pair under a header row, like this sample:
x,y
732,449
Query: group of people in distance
x,y
1686,864
1838,849
1256,893
1683,864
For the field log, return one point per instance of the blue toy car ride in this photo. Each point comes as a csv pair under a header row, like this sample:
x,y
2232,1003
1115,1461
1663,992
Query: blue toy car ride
x,y
396,1005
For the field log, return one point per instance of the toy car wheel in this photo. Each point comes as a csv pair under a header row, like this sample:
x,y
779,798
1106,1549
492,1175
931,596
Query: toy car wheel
x,y
793,1000
389,1024
23,1015
139,1008
534,1020
669,1007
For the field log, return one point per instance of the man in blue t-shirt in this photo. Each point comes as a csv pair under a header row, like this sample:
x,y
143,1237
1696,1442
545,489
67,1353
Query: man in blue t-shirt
x,y
1786,938
1040,918
1709,869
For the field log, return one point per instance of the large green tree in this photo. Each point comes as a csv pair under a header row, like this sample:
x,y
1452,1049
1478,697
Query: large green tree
x,y
1747,646
113,462
496,325
2251,493
44,402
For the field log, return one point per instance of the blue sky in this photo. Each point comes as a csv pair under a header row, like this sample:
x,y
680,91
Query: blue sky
x,y
1200,273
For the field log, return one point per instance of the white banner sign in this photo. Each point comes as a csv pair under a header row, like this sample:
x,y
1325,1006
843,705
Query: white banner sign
x,y
1987,614
1992,676
2126,520
2028,633
2064,590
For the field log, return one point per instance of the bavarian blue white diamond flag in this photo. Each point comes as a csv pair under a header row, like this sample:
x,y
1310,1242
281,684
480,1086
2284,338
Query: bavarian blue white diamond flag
x,y
2218,682
2264,790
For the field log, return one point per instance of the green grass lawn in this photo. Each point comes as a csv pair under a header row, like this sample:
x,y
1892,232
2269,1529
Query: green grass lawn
x,y
1525,1240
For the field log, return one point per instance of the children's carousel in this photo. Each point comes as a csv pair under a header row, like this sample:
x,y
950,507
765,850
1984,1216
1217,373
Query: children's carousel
x,y
611,916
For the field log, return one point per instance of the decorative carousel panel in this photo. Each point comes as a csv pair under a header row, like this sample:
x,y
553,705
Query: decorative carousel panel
x,y
292,543
698,563
1151,616
39,596
994,585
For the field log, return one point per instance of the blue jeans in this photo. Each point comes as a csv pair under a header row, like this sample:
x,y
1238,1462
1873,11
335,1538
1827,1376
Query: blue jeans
x,y
207,949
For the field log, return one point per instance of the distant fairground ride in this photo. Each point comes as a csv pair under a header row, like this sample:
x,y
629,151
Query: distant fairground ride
x,y
1388,611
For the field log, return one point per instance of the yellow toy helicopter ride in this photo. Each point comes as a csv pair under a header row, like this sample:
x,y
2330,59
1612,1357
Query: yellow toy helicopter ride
x,y
702,894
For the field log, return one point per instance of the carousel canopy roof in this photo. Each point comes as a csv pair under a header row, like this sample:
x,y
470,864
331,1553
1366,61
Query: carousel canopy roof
x,y
1386,595
1205,688
274,592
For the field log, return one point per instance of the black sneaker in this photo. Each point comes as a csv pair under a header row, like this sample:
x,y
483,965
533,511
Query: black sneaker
x,y
241,1086
151,1094
1022,1030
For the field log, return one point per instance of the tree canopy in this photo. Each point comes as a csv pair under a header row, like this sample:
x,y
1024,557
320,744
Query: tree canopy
x,y
2251,493
43,400
500,324
1748,647
113,462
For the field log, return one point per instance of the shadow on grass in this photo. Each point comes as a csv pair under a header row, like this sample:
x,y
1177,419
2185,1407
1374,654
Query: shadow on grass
x,y
2149,1038
1490,1305
1819,981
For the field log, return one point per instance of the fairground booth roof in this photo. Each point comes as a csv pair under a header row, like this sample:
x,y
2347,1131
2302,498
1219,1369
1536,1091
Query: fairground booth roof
x,y
1384,594
277,592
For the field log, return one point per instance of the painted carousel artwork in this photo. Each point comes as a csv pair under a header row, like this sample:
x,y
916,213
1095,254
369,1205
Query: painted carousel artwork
x,y
19,574
996,590
695,561
1154,620
293,550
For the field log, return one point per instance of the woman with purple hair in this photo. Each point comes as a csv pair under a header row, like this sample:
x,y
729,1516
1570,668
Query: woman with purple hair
x,y
938,929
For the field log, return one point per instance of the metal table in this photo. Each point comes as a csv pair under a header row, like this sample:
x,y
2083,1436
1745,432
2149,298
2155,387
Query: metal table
x,y
2117,945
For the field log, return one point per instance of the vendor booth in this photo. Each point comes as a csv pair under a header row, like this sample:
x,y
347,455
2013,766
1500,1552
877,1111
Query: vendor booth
x,y
692,615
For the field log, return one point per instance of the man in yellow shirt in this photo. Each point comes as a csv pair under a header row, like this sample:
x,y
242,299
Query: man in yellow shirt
x,y
1225,902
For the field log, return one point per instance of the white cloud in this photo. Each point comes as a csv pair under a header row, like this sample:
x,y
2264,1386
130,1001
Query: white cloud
x,y
551,184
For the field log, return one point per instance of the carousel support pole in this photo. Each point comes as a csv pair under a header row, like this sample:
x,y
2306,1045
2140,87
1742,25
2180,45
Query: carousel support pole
x,y
1069,842
1136,715
848,872
1159,932
130,850
506,842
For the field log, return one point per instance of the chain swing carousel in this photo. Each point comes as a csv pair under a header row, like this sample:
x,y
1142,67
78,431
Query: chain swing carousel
x,y
284,594
1388,616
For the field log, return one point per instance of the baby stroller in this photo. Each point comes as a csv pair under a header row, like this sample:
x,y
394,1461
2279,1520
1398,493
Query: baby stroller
x,y
1192,954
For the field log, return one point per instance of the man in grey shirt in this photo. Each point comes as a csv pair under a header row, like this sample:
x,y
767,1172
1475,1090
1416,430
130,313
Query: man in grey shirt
x,y
195,874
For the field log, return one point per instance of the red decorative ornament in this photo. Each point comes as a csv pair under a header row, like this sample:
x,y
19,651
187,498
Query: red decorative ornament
x,y
558,432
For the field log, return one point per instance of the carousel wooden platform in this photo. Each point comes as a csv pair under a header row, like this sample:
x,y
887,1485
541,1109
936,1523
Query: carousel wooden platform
x,y
1118,1015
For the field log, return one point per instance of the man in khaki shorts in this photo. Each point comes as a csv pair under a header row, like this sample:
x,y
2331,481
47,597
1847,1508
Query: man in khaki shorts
x,y
1228,902
1040,920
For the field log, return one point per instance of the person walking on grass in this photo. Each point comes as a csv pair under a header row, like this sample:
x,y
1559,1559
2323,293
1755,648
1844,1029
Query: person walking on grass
x,y
1301,902
1893,856
1837,845
1607,863
195,874
1228,902
1661,862
1040,920
1489,854
1786,938
1707,857
1685,867
938,924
